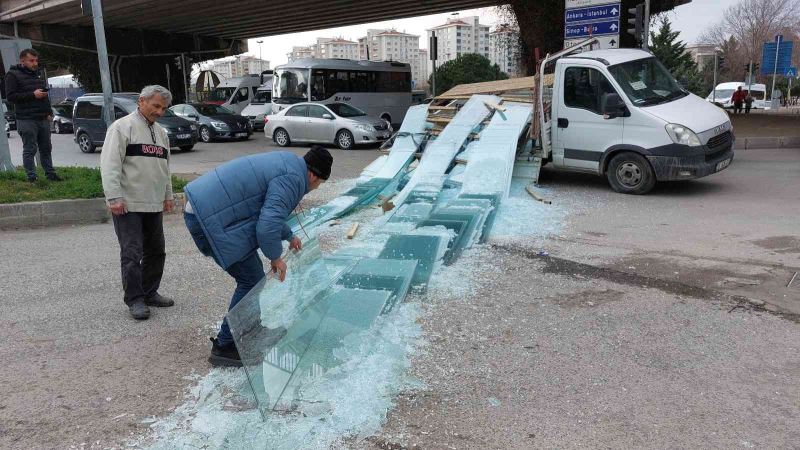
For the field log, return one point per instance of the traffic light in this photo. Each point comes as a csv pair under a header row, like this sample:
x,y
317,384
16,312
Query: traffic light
x,y
721,61
637,23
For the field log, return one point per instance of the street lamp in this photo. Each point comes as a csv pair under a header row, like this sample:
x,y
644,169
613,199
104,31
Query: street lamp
x,y
259,42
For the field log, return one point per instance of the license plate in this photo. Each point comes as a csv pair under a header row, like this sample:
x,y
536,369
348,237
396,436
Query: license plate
x,y
723,164
184,136
241,134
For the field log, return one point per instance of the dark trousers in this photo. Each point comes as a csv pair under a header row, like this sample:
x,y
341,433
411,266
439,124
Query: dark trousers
x,y
737,107
141,252
247,273
35,136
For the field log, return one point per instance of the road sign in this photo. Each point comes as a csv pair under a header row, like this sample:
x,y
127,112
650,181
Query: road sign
x,y
572,4
604,42
585,30
784,57
791,72
592,13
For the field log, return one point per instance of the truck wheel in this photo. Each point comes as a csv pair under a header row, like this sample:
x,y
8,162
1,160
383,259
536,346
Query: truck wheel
x,y
630,173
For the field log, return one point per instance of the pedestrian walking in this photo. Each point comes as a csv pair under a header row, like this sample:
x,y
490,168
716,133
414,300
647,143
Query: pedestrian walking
x,y
242,206
137,183
738,100
27,90
748,103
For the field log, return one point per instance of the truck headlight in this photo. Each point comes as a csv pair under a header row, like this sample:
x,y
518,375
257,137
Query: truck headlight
x,y
682,135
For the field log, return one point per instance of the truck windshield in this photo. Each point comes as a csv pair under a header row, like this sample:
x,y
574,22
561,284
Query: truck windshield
x,y
722,93
292,87
262,97
647,82
221,94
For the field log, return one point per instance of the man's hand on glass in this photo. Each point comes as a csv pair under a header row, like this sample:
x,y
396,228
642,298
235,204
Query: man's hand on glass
x,y
117,206
279,268
295,244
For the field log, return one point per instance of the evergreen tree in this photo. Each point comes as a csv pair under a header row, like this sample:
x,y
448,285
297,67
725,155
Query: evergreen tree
x,y
672,53
469,68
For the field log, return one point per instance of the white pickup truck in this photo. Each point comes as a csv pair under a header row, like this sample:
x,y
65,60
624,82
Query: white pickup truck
x,y
620,113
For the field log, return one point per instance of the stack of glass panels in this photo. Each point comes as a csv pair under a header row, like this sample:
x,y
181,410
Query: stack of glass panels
x,y
392,275
427,249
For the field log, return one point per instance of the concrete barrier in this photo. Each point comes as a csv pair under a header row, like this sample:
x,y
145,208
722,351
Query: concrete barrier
x,y
60,212
754,143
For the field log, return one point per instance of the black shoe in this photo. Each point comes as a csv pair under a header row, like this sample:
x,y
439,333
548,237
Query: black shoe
x,y
54,177
31,180
139,310
262,337
226,356
159,301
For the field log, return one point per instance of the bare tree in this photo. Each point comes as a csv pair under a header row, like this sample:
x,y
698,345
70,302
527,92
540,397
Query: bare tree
x,y
751,23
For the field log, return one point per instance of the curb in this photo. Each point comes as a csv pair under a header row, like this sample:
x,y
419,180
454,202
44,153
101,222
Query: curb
x,y
752,143
57,213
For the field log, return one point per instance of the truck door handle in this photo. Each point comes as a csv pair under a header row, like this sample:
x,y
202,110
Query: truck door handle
x,y
563,123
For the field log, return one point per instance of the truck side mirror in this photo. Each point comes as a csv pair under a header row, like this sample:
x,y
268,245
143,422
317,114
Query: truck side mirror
x,y
613,106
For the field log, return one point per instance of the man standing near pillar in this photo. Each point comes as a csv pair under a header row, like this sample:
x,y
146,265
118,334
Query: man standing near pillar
x,y
26,89
137,183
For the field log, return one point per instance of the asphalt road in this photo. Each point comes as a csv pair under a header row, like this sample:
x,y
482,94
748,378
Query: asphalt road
x,y
202,158
629,334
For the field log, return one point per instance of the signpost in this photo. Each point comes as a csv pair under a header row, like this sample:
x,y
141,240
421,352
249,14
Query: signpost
x,y
791,72
592,18
776,58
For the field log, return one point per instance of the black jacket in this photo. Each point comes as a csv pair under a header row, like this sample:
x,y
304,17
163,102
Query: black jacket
x,y
20,84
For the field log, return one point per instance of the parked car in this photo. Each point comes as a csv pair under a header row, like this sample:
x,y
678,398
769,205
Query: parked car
x,y
214,121
259,107
9,112
62,119
90,128
338,123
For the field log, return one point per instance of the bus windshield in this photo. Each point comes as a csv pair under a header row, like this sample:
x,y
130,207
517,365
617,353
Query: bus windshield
x,y
292,87
221,94
344,110
647,82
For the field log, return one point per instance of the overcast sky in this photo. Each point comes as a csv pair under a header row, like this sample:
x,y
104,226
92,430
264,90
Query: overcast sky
x,y
691,19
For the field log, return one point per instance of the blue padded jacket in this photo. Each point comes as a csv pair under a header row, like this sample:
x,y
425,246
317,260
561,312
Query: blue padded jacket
x,y
243,204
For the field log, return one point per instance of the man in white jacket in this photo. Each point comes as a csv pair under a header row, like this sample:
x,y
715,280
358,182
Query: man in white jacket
x,y
137,183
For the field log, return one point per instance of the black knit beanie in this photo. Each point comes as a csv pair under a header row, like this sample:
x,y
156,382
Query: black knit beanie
x,y
319,161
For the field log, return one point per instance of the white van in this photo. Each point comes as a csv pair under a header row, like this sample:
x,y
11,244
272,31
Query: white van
x,y
235,93
724,92
261,106
620,113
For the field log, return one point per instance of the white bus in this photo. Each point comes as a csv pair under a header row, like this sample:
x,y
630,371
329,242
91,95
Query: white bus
x,y
381,89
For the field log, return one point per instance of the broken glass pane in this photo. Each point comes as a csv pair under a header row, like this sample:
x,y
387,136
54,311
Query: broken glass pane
x,y
392,275
426,249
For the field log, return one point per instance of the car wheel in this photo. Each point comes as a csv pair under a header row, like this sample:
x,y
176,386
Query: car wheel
x,y
630,173
85,143
281,137
187,148
56,128
344,139
205,134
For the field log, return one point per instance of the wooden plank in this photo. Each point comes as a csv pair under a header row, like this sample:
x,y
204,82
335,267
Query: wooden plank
x,y
439,119
352,231
529,189
495,106
442,108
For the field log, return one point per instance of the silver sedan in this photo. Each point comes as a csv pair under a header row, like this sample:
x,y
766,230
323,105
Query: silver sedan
x,y
338,123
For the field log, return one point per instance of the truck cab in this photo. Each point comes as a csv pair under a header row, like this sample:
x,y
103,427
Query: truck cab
x,y
620,113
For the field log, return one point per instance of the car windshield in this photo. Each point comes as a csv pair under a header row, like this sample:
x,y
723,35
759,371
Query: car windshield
x,y
213,110
292,87
221,94
262,97
721,93
647,82
64,111
345,110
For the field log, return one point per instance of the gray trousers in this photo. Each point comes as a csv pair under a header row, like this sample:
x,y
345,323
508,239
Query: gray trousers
x,y
35,136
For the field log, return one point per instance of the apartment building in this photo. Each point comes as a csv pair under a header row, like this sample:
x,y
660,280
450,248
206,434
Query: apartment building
x,y
301,53
460,36
504,49
240,66
393,45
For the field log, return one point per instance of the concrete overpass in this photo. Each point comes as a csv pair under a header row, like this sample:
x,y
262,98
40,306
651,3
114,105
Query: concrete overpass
x,y
228,20
145,36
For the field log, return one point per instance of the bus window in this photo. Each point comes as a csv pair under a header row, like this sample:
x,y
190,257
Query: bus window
x,y
292,86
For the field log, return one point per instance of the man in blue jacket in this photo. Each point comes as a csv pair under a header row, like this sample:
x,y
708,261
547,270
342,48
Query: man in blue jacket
x,y
242,206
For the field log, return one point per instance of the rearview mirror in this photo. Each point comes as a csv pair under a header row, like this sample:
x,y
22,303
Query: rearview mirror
x,y
327,116
613,106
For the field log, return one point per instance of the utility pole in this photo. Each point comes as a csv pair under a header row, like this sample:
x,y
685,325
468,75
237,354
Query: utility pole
x,y
775,68
646,38
102,57
259,42
714,89
434,55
